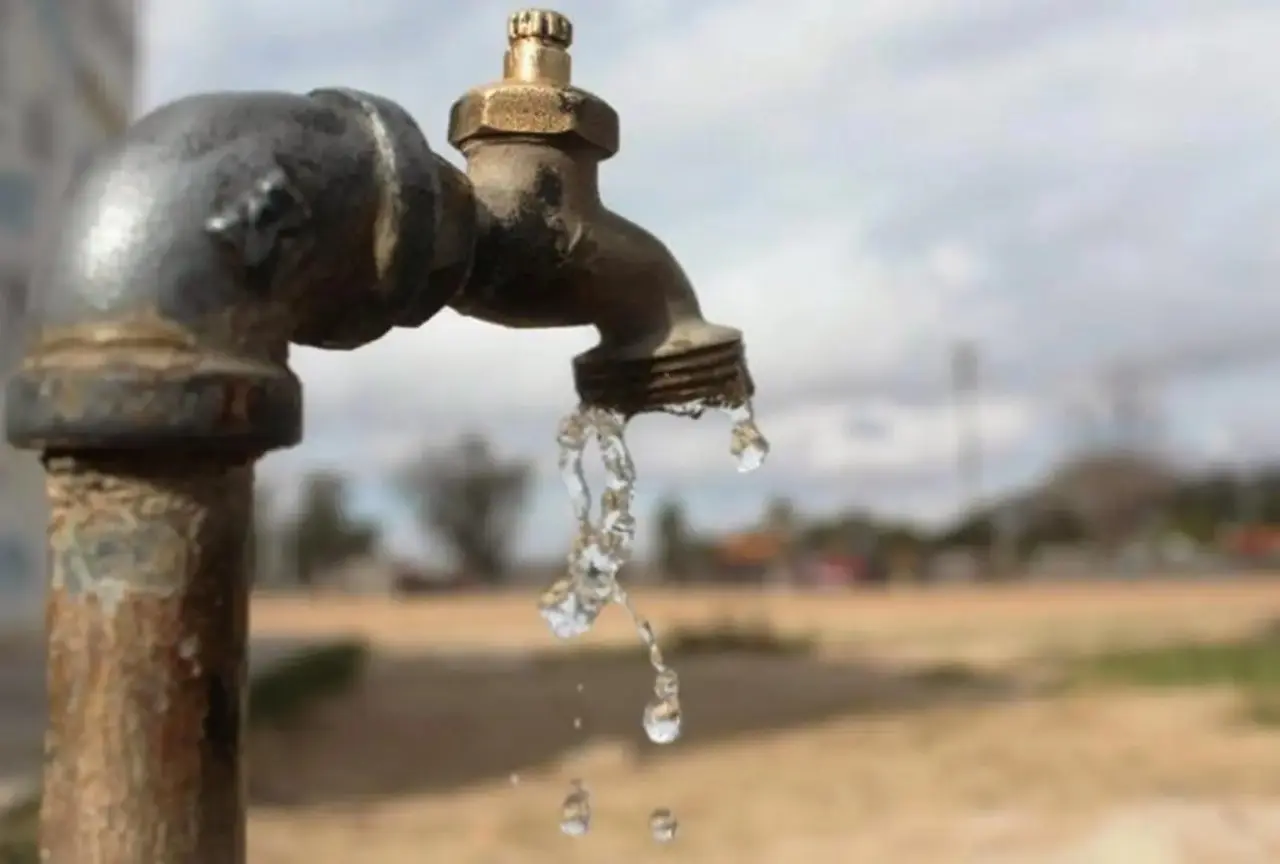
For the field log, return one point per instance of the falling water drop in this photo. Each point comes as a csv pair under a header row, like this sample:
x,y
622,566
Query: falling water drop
x,y
575,816
666,684
564,609
746,442
662,719
693,409
663,825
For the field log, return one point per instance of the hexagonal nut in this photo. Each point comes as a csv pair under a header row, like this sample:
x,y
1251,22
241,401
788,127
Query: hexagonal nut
x,y
534,109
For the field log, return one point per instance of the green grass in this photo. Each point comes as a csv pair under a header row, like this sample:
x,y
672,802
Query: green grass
x,y
18,828
1262,707
736,637
722,638
286,691
279,697
948,675
1250,665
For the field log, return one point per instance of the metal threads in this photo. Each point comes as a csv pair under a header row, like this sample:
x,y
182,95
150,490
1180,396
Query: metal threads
x,y
715,376
541,24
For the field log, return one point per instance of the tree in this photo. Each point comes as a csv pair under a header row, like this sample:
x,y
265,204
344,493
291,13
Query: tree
x,y
1113,493
470,501
780,516
673,552
323,535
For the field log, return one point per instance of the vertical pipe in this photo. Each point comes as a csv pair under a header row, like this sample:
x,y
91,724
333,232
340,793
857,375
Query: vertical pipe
x,y
147,626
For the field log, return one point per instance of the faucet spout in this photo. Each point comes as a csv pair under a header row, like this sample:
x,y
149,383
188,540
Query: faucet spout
x,y
549,253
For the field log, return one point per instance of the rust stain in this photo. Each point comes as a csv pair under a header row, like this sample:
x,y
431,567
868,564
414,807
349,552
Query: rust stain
x,y
110,537
147,627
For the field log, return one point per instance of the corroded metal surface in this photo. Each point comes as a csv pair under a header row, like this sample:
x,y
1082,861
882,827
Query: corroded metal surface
x,y
147,619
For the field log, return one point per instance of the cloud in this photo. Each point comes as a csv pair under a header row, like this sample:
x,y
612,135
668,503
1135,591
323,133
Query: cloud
x,y
856,186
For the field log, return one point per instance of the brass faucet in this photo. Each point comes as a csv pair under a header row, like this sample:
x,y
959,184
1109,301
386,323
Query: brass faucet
x,y
549,253
191,253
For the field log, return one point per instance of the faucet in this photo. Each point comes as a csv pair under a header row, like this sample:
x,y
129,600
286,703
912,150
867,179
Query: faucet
x,y
549,253
220,230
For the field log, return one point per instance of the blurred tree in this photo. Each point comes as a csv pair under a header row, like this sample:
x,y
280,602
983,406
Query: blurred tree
x,y
1051,525
1113,493
973,530
470,501
323,535
849,533
674,546
780,516
782,522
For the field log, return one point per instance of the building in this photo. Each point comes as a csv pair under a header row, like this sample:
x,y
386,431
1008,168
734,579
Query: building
x,y
67,86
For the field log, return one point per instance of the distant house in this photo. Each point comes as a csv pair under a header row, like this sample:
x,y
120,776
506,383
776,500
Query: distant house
x,y
1258,544
750,557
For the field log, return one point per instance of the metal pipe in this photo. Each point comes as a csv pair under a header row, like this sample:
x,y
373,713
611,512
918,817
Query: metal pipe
x,y
220,229
147,623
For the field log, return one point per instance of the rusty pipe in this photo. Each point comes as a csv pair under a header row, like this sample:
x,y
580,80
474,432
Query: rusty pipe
x,y
549,253
147,615
220,229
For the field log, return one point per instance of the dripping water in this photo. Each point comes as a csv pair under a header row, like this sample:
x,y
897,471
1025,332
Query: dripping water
x,y
663,825
601,548
575,813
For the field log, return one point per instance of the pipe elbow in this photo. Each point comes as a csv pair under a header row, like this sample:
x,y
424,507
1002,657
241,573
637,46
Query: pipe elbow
x,y
219,229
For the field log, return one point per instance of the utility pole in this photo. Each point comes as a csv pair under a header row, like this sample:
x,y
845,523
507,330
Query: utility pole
x,y
964,384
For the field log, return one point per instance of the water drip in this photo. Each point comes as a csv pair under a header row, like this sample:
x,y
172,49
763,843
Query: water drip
x,y
600,549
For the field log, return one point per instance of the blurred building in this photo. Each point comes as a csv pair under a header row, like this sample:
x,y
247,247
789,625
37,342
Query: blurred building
x,y
749,557
67,83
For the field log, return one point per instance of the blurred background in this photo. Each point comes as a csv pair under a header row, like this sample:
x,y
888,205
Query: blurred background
x,y
1004,590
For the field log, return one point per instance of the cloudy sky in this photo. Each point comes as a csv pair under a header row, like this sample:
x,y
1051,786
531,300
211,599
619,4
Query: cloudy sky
x,y
856,185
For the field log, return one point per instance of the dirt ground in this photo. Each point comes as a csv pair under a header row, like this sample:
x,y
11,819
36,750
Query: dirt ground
x,y
467,733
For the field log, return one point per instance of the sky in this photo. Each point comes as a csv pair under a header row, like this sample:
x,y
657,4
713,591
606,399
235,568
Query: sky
x,y
858,187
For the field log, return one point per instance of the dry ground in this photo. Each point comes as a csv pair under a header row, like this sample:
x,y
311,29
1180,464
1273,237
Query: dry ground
x,y
869,752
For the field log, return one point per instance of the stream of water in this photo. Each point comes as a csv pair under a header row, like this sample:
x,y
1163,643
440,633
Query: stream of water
x,y
601,548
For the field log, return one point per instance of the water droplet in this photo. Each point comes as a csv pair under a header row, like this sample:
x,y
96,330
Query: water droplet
x,y
662,720
514,778
746,442
692,409
663,825
575,816
577,722
667,684
581,686
568,612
